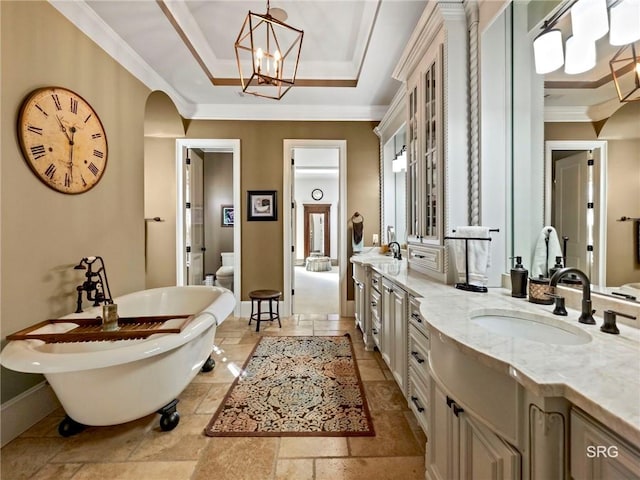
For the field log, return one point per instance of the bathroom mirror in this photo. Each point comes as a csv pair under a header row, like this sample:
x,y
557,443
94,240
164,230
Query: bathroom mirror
x,y
575,115
317,232
394,224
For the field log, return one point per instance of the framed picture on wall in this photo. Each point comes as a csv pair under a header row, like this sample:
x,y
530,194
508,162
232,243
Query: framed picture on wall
x,y
262,205
227,215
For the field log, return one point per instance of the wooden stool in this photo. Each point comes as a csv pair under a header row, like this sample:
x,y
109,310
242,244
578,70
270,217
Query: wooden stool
x,y
258,296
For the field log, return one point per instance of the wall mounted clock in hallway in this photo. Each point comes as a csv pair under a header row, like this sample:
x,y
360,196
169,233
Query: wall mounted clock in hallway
x,y
62,139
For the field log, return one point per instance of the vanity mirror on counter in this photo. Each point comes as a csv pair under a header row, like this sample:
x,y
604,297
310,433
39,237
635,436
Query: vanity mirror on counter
x,y
565,133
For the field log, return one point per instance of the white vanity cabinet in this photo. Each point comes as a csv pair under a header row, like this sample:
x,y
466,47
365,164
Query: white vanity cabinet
x,y
462,447
394,331
597,453
418,371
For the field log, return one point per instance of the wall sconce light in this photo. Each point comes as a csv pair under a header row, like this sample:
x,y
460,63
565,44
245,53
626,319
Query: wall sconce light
x,y
399,163
267,52
624,61
589,22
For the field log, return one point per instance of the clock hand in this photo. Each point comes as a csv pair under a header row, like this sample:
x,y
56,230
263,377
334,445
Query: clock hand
x,y
62,127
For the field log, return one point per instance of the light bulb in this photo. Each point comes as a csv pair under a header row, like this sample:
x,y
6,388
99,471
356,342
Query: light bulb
x,y
625,22
589,19
580,55
547,51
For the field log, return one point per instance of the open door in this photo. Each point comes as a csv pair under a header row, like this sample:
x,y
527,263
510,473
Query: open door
x,y
194,218
292,233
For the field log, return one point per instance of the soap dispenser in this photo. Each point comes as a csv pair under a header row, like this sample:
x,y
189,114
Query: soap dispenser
x,y
556,267
519,277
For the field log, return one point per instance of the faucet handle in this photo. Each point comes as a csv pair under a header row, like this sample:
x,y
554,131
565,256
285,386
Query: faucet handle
x,y
609,325
559,308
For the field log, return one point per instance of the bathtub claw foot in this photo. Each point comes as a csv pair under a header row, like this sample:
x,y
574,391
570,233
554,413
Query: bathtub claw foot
x,y
170,417
208,365
68,426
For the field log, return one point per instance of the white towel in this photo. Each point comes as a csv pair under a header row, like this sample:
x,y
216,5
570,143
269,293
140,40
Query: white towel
x,y
543,260
478,251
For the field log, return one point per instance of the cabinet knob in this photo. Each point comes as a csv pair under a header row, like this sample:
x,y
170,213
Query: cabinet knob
x,y
416,317
450,401
457,409
417,356
374,331
373,304
419,407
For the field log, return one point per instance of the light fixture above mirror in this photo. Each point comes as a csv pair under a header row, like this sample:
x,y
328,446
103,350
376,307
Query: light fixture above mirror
x,y
590,20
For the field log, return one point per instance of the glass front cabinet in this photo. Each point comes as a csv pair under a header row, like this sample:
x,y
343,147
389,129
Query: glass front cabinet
x,y
434,71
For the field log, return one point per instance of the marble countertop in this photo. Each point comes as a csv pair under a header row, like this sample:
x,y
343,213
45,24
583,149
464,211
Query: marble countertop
x,y
601,377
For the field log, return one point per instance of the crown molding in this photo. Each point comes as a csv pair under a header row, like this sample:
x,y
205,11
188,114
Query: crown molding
x,y
566,114
345,113
89,22
396,108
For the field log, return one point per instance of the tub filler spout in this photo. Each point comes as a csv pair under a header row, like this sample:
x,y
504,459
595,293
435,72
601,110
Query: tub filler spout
x,y
96,284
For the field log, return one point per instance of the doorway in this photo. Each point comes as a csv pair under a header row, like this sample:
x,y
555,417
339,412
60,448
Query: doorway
x,y
293,244
317,230
184,216
575,202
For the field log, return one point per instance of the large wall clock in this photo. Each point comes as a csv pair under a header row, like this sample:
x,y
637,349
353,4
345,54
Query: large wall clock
x,y
62,139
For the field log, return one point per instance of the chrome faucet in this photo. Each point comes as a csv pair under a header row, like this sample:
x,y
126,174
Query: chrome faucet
x,y
396,252
587,313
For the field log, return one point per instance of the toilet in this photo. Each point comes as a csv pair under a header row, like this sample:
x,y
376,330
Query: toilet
x,y
224,275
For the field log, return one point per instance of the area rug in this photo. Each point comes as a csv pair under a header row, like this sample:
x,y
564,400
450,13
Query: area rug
x,y
296,386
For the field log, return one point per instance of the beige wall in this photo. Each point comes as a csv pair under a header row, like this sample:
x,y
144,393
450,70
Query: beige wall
x,y
623,195
261,169
45,233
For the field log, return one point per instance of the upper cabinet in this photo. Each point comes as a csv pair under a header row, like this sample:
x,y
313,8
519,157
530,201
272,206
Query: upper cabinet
x,y
434,70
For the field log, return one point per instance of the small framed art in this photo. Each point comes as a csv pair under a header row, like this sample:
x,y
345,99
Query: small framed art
x,y
262,205
227,215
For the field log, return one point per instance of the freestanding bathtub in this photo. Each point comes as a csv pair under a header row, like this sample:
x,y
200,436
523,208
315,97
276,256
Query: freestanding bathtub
x,y
112,382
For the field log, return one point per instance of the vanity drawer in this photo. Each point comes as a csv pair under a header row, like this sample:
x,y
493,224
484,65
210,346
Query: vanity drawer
x,y
418,353
375,305
376,281
415,318
375,332
418,398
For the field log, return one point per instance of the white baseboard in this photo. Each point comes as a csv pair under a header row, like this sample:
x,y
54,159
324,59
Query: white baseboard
x,y
22,412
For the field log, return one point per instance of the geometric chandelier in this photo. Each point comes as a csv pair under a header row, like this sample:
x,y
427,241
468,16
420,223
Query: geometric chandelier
x,y
624,61
267,52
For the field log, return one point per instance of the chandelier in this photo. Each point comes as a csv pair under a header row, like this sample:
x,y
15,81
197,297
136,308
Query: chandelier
x,y
267,52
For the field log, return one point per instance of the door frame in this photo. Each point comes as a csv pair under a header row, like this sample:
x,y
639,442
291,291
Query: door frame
x,y
223,145
325,210
550,146
288,211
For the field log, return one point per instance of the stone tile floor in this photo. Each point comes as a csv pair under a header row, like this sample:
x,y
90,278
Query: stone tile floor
x,y
139,450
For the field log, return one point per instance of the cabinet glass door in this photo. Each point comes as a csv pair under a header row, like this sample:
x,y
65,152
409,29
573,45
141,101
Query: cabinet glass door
x,y
431,133
413,227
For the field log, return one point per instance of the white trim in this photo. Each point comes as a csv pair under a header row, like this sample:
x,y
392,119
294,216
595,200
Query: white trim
x,y
288,146
220,144
566,114
281,111
549,146
22,412
396,108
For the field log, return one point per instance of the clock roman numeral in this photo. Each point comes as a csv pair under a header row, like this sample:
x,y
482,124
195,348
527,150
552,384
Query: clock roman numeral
x,y
38,151
50,171
67,180
43,112
87,119
56,101
36,130
93,169
96,135
98,153
84,183
74,105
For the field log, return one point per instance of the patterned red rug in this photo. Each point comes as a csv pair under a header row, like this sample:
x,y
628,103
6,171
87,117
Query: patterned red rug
x,y
296,386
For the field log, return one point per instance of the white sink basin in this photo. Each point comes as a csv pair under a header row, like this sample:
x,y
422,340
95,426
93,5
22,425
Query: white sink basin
x,y
529,326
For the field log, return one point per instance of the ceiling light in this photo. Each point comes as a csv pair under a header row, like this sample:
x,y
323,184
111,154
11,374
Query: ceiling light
x,y
580,55
589,19
267,52
547,51
624,61
625,22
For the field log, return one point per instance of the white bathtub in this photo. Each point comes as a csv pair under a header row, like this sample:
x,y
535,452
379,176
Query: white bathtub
x,y
112,382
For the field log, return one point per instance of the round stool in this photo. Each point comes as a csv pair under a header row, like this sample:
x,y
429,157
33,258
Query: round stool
x,y
257,296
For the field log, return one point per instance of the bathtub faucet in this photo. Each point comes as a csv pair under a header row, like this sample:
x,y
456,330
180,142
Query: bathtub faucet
x,y
96,284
